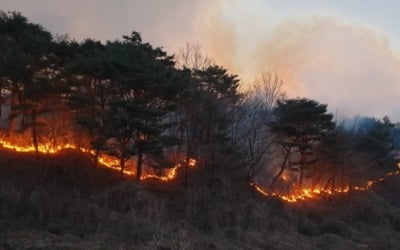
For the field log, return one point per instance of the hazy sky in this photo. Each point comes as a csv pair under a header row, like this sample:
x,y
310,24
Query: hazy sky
x,y
343,52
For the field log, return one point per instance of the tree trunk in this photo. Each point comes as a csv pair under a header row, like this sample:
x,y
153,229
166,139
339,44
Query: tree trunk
x,y
333,184
283,166
328,183
301,169
139,165
96,157
188,152
34,132
1,98
342,184
13,111
316,181
186,179
122,164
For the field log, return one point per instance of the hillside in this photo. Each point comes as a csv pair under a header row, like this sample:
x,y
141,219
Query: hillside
x,y
64,202
118,141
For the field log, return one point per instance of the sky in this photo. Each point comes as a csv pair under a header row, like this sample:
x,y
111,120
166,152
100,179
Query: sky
x,y
345,53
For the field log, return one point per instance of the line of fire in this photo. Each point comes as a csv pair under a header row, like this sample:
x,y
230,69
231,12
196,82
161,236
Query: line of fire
x,y
136,109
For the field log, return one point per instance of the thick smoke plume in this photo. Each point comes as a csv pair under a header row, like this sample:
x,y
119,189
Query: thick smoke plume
x,y
347,66
350,67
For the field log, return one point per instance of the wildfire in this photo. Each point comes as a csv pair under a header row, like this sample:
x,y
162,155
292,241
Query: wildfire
x,y
308,193
103,159
170,174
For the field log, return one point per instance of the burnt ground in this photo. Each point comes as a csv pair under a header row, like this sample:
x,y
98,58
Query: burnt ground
x,y
64,202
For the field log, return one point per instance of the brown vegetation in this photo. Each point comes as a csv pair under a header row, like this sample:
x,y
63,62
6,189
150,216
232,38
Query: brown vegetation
x,y
63,202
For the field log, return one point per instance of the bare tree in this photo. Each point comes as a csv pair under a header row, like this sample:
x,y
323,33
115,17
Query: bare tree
x,y
267,90
254,136
192,57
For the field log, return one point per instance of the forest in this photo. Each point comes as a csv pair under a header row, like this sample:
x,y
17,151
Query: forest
x,y
95,133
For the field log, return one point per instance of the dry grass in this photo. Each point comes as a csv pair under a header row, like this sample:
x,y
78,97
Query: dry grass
x,y
63,202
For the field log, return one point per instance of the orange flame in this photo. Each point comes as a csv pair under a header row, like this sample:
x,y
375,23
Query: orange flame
x,y
308,193
104,159
170,174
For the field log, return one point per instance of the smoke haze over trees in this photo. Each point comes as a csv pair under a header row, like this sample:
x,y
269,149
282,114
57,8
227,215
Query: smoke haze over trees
x,y
155,114
315,54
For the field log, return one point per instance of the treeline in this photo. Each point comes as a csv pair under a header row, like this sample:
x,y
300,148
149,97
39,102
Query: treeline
x,y
126,97
134,101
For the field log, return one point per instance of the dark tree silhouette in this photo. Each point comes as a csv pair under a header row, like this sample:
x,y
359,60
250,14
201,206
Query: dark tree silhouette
x,y
300,124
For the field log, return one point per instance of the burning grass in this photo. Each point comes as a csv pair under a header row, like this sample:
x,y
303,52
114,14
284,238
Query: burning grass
x,y
306,193
20,145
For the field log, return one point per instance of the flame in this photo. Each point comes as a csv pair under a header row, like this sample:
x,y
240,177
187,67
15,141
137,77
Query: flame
x,y
103,159
308,193
170,174
191,162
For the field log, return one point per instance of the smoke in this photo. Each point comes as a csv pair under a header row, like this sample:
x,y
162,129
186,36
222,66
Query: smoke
x,y
348,66
218,36
168,23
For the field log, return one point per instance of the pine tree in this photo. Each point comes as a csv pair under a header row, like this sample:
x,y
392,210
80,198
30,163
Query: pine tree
x,y
25,66
300,125
146,85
